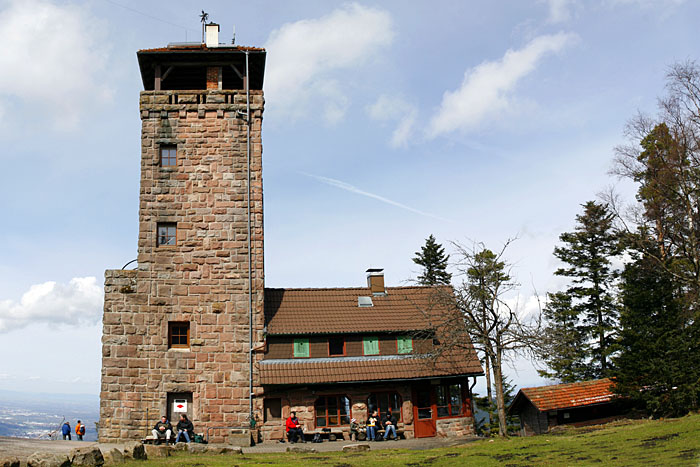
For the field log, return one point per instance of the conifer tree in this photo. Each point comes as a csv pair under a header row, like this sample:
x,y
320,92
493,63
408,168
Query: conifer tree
x,y
567,349
658,366
434,261
591,317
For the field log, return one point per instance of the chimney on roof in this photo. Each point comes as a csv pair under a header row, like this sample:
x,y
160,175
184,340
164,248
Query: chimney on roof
x,y
375,281
212,35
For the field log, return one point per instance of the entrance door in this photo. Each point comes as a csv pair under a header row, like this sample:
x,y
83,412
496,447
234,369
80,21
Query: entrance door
x,y
423,412
179,402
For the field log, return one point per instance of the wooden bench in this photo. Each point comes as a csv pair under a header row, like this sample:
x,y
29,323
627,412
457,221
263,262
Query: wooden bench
x,y
399,433
329,435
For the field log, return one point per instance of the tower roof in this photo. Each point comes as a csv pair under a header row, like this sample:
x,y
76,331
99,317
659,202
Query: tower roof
x,y
197,56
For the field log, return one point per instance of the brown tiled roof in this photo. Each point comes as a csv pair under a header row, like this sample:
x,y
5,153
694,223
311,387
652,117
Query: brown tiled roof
x,y
331,311
564,396
362,369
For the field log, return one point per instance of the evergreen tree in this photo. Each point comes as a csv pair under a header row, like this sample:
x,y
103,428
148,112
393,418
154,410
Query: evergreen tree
x,y
566,349
591,317
658,366
434,261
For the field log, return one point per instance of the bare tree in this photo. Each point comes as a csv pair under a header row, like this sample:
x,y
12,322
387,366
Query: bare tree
x,y
485,316
663,158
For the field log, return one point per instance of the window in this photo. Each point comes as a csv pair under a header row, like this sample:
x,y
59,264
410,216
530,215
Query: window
x,y
301,348
332,411
273,409
384,402
370,345
336,346
168,155
404,344
167,233
178,335
448,399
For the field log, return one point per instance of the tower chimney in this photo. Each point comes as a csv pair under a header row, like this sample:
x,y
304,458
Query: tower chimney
x,y
375,281
212,34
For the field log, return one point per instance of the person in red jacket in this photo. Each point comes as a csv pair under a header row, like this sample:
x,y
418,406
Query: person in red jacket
x,y
294,430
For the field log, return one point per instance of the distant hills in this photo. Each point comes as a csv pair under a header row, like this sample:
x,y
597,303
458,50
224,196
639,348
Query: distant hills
x,y
40,415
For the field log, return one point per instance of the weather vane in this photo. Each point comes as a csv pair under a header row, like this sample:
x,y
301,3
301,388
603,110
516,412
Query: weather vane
x,y
204,17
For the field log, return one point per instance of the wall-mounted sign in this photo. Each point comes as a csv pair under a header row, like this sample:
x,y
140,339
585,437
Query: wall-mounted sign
x,y
180,405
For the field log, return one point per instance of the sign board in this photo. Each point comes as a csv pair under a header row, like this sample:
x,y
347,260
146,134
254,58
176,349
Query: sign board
x,y
180,405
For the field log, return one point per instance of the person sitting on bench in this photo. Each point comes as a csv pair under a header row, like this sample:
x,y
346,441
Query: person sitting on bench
x,y
163,430
185,429
294,430
390,426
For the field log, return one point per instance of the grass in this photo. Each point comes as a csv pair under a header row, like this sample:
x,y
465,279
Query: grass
x,y
670,442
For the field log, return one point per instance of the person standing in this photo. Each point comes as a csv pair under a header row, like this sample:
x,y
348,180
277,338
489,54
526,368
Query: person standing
x,y
65,430
80,430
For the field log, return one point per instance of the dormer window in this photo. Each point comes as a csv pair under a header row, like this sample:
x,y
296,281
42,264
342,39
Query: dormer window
x,y
336,346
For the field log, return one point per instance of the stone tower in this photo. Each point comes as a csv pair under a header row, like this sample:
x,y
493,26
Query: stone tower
x,y
177,336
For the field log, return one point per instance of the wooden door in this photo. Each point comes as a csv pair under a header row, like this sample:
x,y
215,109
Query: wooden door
x,y
424,412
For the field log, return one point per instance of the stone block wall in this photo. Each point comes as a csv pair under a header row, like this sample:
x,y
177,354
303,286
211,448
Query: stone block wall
x,y
202,279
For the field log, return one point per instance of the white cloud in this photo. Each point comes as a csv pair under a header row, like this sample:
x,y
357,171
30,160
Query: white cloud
x,y
77,303
559,10
395,109
52,61
484,93
306,59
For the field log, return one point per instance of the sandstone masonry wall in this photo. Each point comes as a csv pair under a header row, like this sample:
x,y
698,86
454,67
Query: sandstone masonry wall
x,y
202,279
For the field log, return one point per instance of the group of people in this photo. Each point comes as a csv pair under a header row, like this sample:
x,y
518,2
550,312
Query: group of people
x,y
164,430
79,431
373,424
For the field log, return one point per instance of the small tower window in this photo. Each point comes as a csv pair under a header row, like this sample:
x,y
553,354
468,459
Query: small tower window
x,y
178,335
167,233
168,155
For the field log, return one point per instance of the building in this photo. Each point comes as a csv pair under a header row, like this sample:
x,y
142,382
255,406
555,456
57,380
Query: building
x,y
337,354
544,407
193,330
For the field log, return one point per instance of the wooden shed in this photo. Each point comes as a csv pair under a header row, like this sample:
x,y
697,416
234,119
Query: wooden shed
x,y
587,402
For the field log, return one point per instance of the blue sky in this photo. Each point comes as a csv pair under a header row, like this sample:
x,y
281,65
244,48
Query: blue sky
x,y
385,122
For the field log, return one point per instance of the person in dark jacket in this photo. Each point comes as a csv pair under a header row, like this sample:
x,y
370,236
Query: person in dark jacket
x,y
185,429
65,430
163,430
390,426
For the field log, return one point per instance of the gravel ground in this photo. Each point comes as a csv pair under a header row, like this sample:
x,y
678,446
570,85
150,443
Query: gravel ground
x,y
22,448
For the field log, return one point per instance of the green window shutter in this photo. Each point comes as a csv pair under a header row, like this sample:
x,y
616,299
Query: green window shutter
x,y
371,345
301,347
404,344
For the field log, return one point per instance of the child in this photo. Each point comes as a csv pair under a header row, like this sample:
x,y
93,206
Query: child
x,y
354,429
